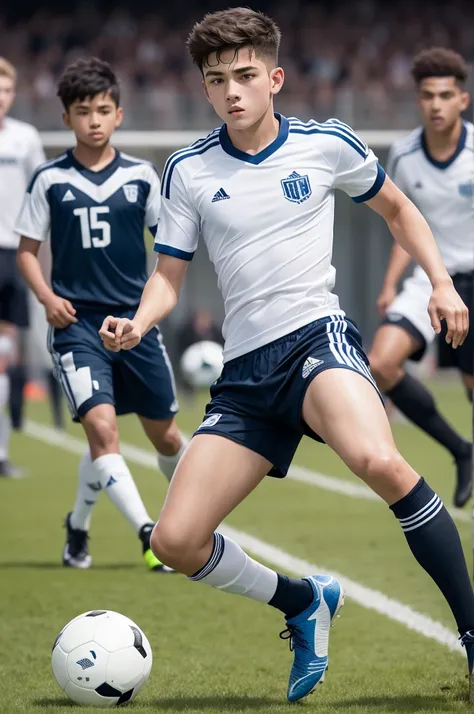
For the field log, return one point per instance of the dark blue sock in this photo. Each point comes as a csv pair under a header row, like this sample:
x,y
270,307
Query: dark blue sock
x,y
434,541
292,596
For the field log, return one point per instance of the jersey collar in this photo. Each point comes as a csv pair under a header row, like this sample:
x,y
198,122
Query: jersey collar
x,y
230,149
97,177
448,162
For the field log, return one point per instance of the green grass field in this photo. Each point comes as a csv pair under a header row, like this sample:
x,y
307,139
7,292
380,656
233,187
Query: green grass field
x,y
215,652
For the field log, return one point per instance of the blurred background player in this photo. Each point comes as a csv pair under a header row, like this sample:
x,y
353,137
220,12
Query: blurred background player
x,y
434,167
95,204
20,154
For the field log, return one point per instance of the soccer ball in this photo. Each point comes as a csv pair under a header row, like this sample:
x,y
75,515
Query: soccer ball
x,y
101,659
201,364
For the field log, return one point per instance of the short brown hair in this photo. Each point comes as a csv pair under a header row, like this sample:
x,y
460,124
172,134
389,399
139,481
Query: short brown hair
x,y
233,29
439,62
7,69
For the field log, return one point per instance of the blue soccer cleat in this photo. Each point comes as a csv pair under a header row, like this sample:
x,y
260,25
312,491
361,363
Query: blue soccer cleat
x,y
467,641
309,636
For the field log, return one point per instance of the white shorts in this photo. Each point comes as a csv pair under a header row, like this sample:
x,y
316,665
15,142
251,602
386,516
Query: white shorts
x,y
410,308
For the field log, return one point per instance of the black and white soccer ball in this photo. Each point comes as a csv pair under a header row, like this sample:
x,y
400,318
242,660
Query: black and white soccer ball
x,y
201,364
101,659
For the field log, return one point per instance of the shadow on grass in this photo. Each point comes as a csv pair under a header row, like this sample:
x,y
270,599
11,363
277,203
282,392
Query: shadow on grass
x,y
37,565
53,702
407,703
221,703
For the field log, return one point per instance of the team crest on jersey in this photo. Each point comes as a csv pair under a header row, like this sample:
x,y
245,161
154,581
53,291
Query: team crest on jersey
x,y
296,188
466,190
131,192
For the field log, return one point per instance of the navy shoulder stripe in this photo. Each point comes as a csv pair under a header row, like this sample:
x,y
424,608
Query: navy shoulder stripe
x,y
331,132
329,125
175,159
196,145
61,162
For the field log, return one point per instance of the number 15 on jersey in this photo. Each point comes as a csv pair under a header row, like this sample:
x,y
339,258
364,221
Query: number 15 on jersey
x,y
89,219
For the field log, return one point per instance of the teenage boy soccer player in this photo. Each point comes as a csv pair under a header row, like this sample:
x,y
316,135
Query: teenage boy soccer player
x,y
260,190
21,153
95,202
434,167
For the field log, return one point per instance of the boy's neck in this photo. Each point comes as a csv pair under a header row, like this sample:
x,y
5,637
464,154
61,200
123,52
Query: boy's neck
x,y
442,146
257,137
93,158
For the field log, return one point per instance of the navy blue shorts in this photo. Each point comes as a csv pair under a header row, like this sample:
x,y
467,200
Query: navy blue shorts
x,y
258,400
138,381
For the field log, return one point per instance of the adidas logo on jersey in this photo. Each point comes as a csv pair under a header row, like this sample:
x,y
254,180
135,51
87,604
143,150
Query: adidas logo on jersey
x,y
220,195
69,196
310,364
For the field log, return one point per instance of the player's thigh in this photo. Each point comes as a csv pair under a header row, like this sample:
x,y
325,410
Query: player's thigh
x,y
82,366
214,475
345,409
146,380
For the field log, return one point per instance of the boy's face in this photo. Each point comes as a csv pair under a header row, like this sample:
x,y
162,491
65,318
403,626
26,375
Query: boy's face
x,y
240,86
94,119
441,102
7,95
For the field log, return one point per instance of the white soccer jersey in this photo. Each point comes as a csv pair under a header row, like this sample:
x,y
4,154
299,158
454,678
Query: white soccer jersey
x,y
21,153
267,221
443,191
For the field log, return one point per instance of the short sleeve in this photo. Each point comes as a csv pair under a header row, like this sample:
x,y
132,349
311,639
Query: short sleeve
x,y
178,225
153,202
34,219
394,169
35,155
357,171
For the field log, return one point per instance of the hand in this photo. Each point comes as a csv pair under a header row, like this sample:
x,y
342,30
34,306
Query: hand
x,y
446,304
59,311
120,333
385,299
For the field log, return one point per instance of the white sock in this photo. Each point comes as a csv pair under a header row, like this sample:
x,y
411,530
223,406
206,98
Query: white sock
x,y
117,482
168,464
233,571
4,417
88,491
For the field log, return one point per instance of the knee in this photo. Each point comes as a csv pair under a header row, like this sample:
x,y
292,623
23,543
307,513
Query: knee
x,y
172,545
385,372
103,436
380,465
168,440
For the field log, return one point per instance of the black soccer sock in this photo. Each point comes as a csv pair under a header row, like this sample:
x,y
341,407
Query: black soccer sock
x,y
412,398
292,596
435,543
17,374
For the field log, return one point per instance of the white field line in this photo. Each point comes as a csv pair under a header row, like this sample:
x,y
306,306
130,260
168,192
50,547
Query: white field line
x,y
296,473
366,597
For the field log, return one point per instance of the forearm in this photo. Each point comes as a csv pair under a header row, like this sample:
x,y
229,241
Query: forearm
x,y
398,263
413,234
159,298
30,269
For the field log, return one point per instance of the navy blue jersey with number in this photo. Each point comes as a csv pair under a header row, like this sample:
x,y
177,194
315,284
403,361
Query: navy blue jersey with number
x,y
95,221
